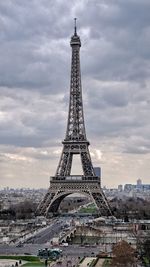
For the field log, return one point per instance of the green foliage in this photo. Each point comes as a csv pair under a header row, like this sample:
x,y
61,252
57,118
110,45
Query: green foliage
x,y
31,260
146,249
32,264
89,209
146,261
106,263
81,260
93,263
21,257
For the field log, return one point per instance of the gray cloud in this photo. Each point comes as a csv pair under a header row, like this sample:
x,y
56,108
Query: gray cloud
x,y
121,40
31,116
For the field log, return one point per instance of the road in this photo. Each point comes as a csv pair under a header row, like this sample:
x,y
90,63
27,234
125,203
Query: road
x,y
42,240
71,250
47,234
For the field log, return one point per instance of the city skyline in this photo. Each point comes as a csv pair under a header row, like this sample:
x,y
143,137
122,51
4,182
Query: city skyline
x,y
34,88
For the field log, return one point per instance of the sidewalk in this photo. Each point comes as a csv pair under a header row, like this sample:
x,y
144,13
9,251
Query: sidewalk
x,y
9,263
86,261
100,263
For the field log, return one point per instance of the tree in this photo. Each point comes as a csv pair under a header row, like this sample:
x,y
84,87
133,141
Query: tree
x,y
123,255
146,249
24,210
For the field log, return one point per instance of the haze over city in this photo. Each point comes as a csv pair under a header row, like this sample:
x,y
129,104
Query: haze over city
x,y
35,81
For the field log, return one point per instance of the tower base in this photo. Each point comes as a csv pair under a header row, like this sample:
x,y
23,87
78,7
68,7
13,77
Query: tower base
x,y
59,189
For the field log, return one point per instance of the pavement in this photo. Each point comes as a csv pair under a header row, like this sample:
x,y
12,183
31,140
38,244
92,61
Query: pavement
x,y
86,262
99,263
10,263
66,262
71,250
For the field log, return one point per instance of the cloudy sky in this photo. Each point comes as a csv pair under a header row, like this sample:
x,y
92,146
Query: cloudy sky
x,y
34,87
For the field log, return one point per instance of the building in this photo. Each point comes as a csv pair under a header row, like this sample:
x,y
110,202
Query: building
x,y
98,173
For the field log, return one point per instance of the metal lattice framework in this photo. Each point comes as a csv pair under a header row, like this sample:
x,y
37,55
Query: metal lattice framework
x,y
75,142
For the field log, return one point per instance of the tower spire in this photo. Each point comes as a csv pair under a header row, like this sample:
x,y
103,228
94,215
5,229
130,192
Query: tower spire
x,y
75,26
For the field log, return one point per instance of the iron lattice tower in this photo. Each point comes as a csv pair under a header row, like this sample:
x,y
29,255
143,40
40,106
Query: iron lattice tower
x,y
75,142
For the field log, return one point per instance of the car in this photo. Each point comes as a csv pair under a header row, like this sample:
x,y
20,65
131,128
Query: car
x,y
19,245
65,244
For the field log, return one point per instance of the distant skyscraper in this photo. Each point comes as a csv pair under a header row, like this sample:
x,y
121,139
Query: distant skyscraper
x,y
120,187
129,187
97,171
139,182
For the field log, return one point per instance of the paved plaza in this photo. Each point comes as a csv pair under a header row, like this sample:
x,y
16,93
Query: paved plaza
x,y
10,263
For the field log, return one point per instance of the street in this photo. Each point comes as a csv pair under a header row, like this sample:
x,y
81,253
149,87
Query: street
x,y
47,234
71,250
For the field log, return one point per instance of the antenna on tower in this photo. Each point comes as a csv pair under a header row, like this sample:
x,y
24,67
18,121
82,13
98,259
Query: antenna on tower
x,y
75,26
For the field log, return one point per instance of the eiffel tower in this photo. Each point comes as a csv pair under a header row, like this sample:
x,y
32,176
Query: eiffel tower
x,y
75,142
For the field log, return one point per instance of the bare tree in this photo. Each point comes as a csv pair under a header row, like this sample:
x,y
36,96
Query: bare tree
x,y
123,255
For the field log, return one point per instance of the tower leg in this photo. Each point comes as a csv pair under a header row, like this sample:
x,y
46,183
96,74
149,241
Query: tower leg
x,y
56,194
